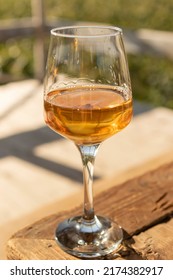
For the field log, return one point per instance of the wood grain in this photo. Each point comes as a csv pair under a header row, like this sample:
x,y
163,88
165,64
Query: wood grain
x,y
155,243
139,205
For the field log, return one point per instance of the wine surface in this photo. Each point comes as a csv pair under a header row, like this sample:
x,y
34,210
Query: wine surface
x,y
87,114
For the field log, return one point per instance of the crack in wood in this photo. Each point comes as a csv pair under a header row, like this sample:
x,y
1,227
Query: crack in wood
x,y
161,197
162,204
168,207
145,247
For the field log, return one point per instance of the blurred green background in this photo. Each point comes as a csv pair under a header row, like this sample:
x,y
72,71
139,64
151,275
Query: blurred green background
x,y
151,75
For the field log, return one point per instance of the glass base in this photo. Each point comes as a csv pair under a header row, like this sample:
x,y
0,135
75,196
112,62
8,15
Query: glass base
x,y
89,239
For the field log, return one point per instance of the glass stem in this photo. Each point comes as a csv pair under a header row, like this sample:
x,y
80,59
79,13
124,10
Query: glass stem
x,y
88,154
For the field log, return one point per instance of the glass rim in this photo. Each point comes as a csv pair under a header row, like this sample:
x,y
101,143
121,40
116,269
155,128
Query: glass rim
x,y
114,31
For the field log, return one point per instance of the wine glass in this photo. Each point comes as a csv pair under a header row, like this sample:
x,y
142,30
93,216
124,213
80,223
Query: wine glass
x,y
87,99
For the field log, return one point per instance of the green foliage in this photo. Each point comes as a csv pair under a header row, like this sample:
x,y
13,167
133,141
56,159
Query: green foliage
x,y
16,58
15,9
132,14
152,77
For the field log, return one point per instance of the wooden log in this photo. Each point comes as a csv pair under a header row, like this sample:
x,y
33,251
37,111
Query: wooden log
x,y
137,205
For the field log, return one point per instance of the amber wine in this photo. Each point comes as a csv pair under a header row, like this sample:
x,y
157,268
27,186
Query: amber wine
x,y
88,114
